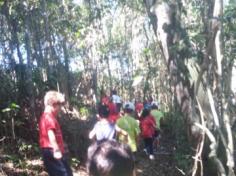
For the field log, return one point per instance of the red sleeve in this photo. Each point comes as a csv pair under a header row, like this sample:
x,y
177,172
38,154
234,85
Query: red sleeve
x,y
50,123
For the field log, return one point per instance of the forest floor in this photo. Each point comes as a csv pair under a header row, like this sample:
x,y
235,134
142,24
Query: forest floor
x,y
163,165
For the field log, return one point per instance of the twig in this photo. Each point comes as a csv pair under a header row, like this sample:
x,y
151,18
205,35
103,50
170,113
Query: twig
x,y
2,171
198,156
230,146
213,148
215,116
180,170
214,113
3,138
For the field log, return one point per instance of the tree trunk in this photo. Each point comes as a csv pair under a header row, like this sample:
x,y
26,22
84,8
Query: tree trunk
x,y
109,71
68,91
30,86
179,82
223,115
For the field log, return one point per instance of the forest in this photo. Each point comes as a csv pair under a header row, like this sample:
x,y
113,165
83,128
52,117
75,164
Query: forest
x,y
180,53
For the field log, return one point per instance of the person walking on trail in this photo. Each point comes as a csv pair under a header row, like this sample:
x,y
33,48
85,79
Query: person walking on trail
x,y
158,116
50,136
104,98
148,126
103,129
128,123
117,100
138,109
113,113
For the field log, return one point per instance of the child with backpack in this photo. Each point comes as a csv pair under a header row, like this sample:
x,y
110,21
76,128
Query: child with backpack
x,y
103,129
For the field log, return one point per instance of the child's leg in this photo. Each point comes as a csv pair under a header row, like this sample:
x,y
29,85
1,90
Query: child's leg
x,y
156,139
67,166
54,167
146,146
149,145
156,143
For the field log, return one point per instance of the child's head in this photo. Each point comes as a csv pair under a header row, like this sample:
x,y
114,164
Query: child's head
x,y
110,158
145,112
53,100
154,105
129,107
114,92
103,111
53,97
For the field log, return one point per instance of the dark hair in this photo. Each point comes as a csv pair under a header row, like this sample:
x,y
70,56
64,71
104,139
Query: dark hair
x,y
103,111
129,111
154,106
145,113
114,92
110,158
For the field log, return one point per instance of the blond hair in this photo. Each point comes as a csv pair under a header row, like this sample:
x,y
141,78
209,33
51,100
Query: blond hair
x,y
52,97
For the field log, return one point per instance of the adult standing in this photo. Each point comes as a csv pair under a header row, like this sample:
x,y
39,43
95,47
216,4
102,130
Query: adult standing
x,y
50,136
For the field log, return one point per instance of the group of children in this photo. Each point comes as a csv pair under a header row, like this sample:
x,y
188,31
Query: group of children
x,y
114,129
136,121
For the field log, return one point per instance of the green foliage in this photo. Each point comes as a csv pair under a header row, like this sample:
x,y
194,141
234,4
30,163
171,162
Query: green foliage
x,y
1,3
13,157
229,25
182,152
75,162
84,111
12,107
10,112
27,149
146,51
75,102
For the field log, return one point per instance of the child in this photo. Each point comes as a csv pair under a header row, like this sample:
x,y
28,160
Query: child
x,y
104,98
138,110
103,129
148,126
110,158
158,115
113,113
50,136
128,123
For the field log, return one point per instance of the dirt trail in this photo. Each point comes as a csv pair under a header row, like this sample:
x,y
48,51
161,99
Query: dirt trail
x,y
163,165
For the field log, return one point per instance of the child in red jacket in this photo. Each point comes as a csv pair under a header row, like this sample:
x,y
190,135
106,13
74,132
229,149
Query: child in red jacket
x,y
147,127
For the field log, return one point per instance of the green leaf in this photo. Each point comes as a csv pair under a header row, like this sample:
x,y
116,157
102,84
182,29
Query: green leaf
x,y
1,2
146,51
6,110
14,106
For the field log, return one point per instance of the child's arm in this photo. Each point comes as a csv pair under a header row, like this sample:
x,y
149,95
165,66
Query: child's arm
x,y
92,134
121,131
56,151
